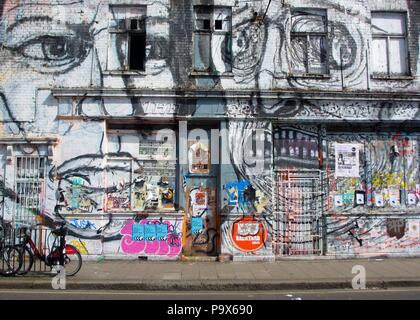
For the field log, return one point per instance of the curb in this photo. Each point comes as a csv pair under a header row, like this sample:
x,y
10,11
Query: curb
x,y
204,285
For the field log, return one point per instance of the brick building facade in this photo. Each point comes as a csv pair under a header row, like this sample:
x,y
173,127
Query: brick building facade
x,y
235,129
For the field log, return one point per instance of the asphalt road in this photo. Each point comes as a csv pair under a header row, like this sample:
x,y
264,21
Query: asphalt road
x,y
389,294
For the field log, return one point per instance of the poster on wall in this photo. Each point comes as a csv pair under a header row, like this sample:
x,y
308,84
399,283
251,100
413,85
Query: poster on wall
x,y
199,199
150,232
198,157
248,234
346,160
137,232
161,232
196,225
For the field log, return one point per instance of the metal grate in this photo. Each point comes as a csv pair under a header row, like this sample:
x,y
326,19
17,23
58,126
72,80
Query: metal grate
x,y
299,210
30,188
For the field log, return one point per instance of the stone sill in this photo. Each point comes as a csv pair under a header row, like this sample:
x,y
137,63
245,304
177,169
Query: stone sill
x,y
310,76
391,78
211,74
121,73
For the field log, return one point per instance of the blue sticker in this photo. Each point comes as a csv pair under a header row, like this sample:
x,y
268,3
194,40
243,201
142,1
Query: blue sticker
x,y
162,232
150,232
196,225
137,232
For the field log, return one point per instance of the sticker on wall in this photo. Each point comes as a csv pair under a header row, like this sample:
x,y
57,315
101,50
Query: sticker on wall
x,y
346,160
360,198
338,200
411,199
248,234
394,197
150,232
232,193
379,200
196,225
137,232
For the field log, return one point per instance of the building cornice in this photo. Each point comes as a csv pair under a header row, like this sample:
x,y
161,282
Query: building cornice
x,y
236,94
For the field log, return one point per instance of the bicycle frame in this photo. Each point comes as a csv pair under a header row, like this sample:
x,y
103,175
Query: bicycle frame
x,y
56,252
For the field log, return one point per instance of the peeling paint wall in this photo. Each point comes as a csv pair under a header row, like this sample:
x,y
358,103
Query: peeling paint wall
x,y
68,97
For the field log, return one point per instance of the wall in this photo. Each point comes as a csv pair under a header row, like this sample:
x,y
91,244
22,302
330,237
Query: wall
x,y
57,89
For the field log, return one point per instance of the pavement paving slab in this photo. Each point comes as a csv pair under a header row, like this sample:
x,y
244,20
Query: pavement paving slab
x,y
282,274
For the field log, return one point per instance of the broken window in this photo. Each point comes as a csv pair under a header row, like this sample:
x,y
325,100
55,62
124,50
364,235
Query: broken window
x,y
212,39
389,48
127,29
308,47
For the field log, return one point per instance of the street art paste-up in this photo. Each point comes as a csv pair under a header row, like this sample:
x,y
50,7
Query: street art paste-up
x,y
151,237
199,157
248,234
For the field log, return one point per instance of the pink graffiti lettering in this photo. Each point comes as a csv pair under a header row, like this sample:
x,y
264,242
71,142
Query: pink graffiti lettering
x,y
170,247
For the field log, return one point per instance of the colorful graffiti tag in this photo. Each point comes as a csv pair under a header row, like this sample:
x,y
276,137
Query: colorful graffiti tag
x,y
151,237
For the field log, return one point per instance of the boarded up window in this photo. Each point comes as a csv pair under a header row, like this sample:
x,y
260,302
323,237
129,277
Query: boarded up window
x,y
141,169
389,49
127,36
212,39
308,47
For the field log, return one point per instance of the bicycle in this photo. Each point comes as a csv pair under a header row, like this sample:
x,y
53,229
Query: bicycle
x,y
61,253
10,255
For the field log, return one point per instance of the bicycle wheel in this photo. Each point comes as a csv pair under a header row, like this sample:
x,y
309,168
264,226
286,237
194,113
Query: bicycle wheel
x,y
72,260
11,261
27,260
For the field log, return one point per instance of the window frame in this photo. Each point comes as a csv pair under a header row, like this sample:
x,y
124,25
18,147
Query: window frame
x,y
211,31
388,37
127,31
308,35
141,158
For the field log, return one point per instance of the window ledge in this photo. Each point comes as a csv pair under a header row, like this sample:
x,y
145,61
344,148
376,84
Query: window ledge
x,y
384,77
211,74
310,76
125,73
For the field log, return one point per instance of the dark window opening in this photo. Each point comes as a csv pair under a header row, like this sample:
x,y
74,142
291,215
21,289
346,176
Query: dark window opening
x,y
206,24
218,25
137,51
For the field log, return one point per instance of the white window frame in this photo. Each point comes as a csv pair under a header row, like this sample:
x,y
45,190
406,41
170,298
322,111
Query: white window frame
x,y
308,35
211,32
388,38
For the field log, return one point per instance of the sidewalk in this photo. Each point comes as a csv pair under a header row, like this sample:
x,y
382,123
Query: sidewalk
x,y
279,275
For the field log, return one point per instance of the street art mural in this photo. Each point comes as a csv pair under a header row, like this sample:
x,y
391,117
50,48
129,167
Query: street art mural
x,y
69,88
151,237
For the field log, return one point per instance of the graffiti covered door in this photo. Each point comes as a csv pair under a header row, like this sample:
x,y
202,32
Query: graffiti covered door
x,y
201,237
299,211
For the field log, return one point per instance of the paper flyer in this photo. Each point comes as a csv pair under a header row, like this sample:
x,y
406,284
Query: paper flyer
x,y
346,160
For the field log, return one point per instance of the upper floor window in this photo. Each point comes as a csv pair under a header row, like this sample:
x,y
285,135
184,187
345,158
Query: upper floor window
x,y
127,28
308,40
389,44
212,39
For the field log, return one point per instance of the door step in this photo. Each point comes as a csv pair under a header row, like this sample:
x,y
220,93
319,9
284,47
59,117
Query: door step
x,y
199,258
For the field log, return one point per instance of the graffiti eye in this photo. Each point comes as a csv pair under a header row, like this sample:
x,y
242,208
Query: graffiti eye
x,y
54,53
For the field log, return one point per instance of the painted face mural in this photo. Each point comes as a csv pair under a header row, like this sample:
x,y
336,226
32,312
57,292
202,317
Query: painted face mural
x,y
59,44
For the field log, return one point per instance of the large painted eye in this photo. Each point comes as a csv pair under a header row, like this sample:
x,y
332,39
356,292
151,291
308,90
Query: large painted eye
x,y
54,54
